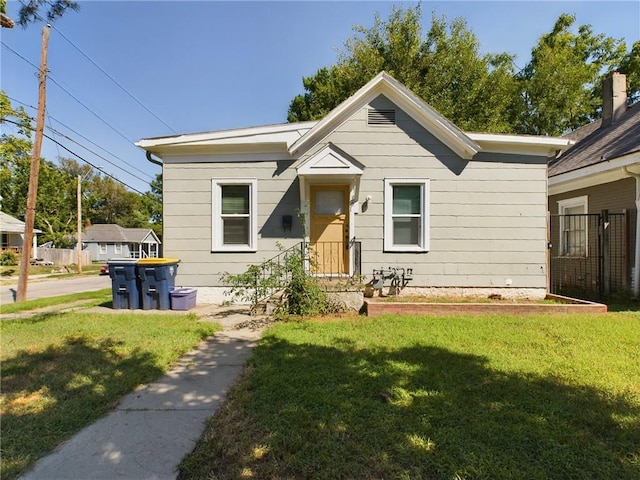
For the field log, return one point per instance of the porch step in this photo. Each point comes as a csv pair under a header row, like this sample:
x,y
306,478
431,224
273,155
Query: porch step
x,y
270,305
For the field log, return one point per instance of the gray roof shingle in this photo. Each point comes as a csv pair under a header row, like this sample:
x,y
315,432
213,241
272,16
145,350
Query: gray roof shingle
x,y
9,224
596,144
112,233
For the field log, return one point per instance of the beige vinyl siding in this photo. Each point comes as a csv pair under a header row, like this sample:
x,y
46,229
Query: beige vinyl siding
x,y
487,215
188,222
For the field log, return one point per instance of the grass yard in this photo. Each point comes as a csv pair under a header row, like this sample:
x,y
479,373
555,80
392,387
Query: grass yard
x,y
61,372
87,299
423,397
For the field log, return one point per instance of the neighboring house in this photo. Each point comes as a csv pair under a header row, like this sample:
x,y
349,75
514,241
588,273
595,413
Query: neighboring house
x,y
594,200
107,241
12,231
382,181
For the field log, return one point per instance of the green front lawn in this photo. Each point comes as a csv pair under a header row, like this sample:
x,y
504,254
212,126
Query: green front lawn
x,y
419,397
61,372
87,299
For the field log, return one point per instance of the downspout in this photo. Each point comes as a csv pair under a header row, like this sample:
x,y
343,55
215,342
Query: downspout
x,y
153,160
636,273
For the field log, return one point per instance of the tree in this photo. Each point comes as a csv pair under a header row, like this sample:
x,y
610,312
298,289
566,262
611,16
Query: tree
x,y
15,157
34,10
562,84
558,90
630,66
153,203
444,67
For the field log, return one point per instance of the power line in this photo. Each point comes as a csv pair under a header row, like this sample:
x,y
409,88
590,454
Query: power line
x,y
91,111
113,80
96,154
16,53
129,141
88,149
73,96
83,159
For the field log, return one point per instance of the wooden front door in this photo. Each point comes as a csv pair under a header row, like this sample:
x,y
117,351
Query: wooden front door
x,y
329,229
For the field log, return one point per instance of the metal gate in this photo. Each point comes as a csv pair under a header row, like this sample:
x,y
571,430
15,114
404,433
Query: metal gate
x,y
590,255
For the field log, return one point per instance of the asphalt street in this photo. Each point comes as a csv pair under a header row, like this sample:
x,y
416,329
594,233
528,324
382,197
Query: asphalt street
x,y
38,288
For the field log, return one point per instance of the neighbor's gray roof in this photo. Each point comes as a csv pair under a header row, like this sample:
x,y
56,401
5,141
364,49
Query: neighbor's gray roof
x,y
596,144
9,224
112,233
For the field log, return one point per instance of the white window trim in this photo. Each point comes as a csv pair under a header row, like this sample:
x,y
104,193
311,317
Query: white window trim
x,y
103,248
388,215
118,248
216,220
562,206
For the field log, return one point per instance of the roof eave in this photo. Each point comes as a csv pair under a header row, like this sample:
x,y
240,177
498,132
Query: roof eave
x,y
521,144
234,136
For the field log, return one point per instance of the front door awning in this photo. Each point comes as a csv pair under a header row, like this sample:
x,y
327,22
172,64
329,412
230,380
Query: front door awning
x,y
330,165
330,161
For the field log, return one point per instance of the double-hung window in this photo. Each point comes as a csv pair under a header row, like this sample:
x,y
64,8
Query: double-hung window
x,y
573,226
118,249
406,215
103,248
235,211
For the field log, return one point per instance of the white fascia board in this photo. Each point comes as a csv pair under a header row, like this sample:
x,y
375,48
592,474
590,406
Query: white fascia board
x,y
520,144
384,84
288,132
603,172
223,153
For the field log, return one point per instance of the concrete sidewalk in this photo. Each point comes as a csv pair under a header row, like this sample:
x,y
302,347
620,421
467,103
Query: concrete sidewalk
x,y
152,428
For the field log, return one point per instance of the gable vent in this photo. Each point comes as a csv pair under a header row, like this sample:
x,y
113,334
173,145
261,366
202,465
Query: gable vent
x,y
381,117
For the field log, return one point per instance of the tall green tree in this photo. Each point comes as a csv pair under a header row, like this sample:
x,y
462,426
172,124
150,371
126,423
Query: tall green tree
x,y
630,66
558,90
562,84
15,157
444,67
153,202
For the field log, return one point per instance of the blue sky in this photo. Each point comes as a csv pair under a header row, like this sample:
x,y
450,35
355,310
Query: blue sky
x,y
211,65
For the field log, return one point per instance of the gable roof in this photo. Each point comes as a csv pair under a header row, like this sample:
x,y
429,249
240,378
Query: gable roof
x,y
384,84
112,233
597,144
294,139
9,224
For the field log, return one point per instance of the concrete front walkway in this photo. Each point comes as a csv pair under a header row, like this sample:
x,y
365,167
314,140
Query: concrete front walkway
x,y
151,430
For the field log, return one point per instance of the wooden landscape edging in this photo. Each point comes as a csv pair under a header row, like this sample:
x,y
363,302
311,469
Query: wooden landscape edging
x,y
568,305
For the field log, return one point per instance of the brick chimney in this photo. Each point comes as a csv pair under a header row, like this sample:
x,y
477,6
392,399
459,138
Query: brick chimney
x,y
614,98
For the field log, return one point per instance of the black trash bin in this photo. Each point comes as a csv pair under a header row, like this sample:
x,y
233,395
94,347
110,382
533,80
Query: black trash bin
x,y
157,279
125,290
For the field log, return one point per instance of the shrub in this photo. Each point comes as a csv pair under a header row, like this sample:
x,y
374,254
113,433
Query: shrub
x,y
303,294
8,258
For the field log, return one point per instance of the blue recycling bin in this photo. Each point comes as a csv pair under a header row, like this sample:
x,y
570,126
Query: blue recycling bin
x,y
157,278
125,290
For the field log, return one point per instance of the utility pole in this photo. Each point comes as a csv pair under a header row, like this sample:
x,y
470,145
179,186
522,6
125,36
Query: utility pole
x,y
33,173
79,234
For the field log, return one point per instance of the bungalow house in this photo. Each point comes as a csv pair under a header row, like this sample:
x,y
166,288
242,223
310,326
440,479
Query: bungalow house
x,y
12,232
106,241
382,181
594,201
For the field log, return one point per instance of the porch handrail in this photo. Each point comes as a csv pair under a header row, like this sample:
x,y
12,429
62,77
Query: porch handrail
x,y
273,275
